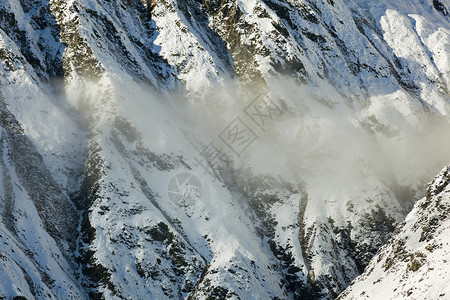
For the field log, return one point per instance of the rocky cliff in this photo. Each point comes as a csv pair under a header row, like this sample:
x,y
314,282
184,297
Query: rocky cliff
x,y
110,108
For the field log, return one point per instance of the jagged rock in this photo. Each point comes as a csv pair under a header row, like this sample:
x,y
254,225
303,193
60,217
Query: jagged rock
x,y
103,103
413,264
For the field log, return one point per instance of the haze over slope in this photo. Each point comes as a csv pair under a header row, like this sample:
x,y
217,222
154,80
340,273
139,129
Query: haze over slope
x,y
414,262
331,117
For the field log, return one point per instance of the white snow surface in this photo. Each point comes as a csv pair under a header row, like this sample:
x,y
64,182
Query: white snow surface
x,y
358,138
414,263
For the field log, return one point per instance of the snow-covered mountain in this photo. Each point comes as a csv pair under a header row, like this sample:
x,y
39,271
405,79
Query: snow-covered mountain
x,y
414,263
213,149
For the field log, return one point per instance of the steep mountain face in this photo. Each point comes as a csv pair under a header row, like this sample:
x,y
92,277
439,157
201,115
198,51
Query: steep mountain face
x,y
109,109
413,264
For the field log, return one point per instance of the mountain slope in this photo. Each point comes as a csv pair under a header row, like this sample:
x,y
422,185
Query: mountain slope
x,y
104,103
413,264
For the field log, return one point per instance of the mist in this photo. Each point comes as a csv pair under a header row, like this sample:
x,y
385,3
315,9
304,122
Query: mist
x,y
317,136
338,147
